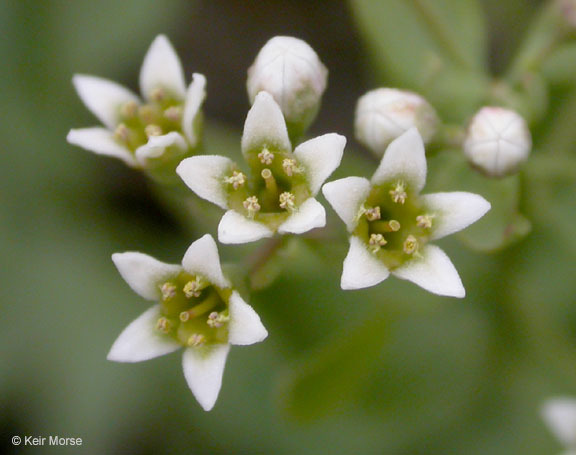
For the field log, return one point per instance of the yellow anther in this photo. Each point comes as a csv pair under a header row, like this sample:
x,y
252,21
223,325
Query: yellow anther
x,y
424,221
237,179
173,113
129,109
158,94
216,320
287,201
266,157
376,242
252,205
163,325
398,194
168,291
410,245
196,339
152,130
121,133
193,288
373,214
290,167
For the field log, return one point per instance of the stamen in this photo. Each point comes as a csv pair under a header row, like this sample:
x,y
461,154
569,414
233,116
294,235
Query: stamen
x,y
129,109
163,325
410,245
424,221
266,157
168,291
152,130
290,167
147,114
196,339
208,304
376,242
173,113
194,287
121,133
216,320
373,214
252,205
287,201
158,94
398,194
237,179
269,180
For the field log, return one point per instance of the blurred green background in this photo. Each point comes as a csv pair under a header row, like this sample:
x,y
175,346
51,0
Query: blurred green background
x,y
389,370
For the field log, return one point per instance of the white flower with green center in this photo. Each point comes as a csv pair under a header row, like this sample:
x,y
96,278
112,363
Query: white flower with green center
x,y
197,309
277,195
560,416
154,133
391,223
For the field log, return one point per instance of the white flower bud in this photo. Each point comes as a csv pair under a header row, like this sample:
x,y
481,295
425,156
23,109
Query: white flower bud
x,y
385,113
290,70
498,141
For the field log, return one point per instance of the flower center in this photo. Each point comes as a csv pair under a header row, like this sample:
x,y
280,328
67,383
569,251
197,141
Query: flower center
x,y
193,311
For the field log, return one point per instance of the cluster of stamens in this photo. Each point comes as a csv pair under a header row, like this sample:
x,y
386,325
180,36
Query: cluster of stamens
x,y
252,206
237,179
398,193
290,167
266,157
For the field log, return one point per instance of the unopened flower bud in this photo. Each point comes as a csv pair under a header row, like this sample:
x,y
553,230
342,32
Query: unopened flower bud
x,y
385,113
497,142
290,70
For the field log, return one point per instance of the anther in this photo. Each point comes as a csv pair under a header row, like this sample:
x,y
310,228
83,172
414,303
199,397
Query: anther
x,y
287,201
168,291
216,320
152,130
266,157
129,109
424,221
193,288
252,205
173,113
398,194
373,214
237,179
410,245
290,167
196,339
158,94
376,242
146,113
122,133
163,325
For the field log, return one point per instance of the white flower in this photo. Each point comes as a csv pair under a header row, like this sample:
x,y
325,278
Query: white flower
x,y
278,194
391,223
148,134
290,70
498,141
197,309
560,416
385,113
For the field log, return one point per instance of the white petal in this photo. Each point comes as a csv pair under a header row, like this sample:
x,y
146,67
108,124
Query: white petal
x,y
236,228
157,145
245,326
141,341
205,176
560,415
101,141
308,216
454,211
203,370
346,197
361,268
404,158
202,258
320,157
143,273
195,96
265,126
162,69
103,97
432,271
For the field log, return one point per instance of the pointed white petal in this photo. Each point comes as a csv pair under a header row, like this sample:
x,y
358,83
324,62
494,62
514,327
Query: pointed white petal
x,y
453,211
361,268
205,176
404,158
143,273
308,216
162,69
346,197
245,326
103,97
265,126
101,141
202,258
432,271
141,341
320,157
236,228
195,96
203,370
560,415
157,145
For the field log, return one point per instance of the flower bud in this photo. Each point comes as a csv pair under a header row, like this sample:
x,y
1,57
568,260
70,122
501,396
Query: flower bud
x,y
290,70
497,142
385,113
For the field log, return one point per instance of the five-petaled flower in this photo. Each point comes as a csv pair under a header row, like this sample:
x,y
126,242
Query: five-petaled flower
x,y
198,309
278,193
155,134
391,223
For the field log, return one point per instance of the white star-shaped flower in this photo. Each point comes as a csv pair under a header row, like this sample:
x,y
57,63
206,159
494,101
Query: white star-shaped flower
x,y
279,193
391,224
149,134
197,309
560,416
